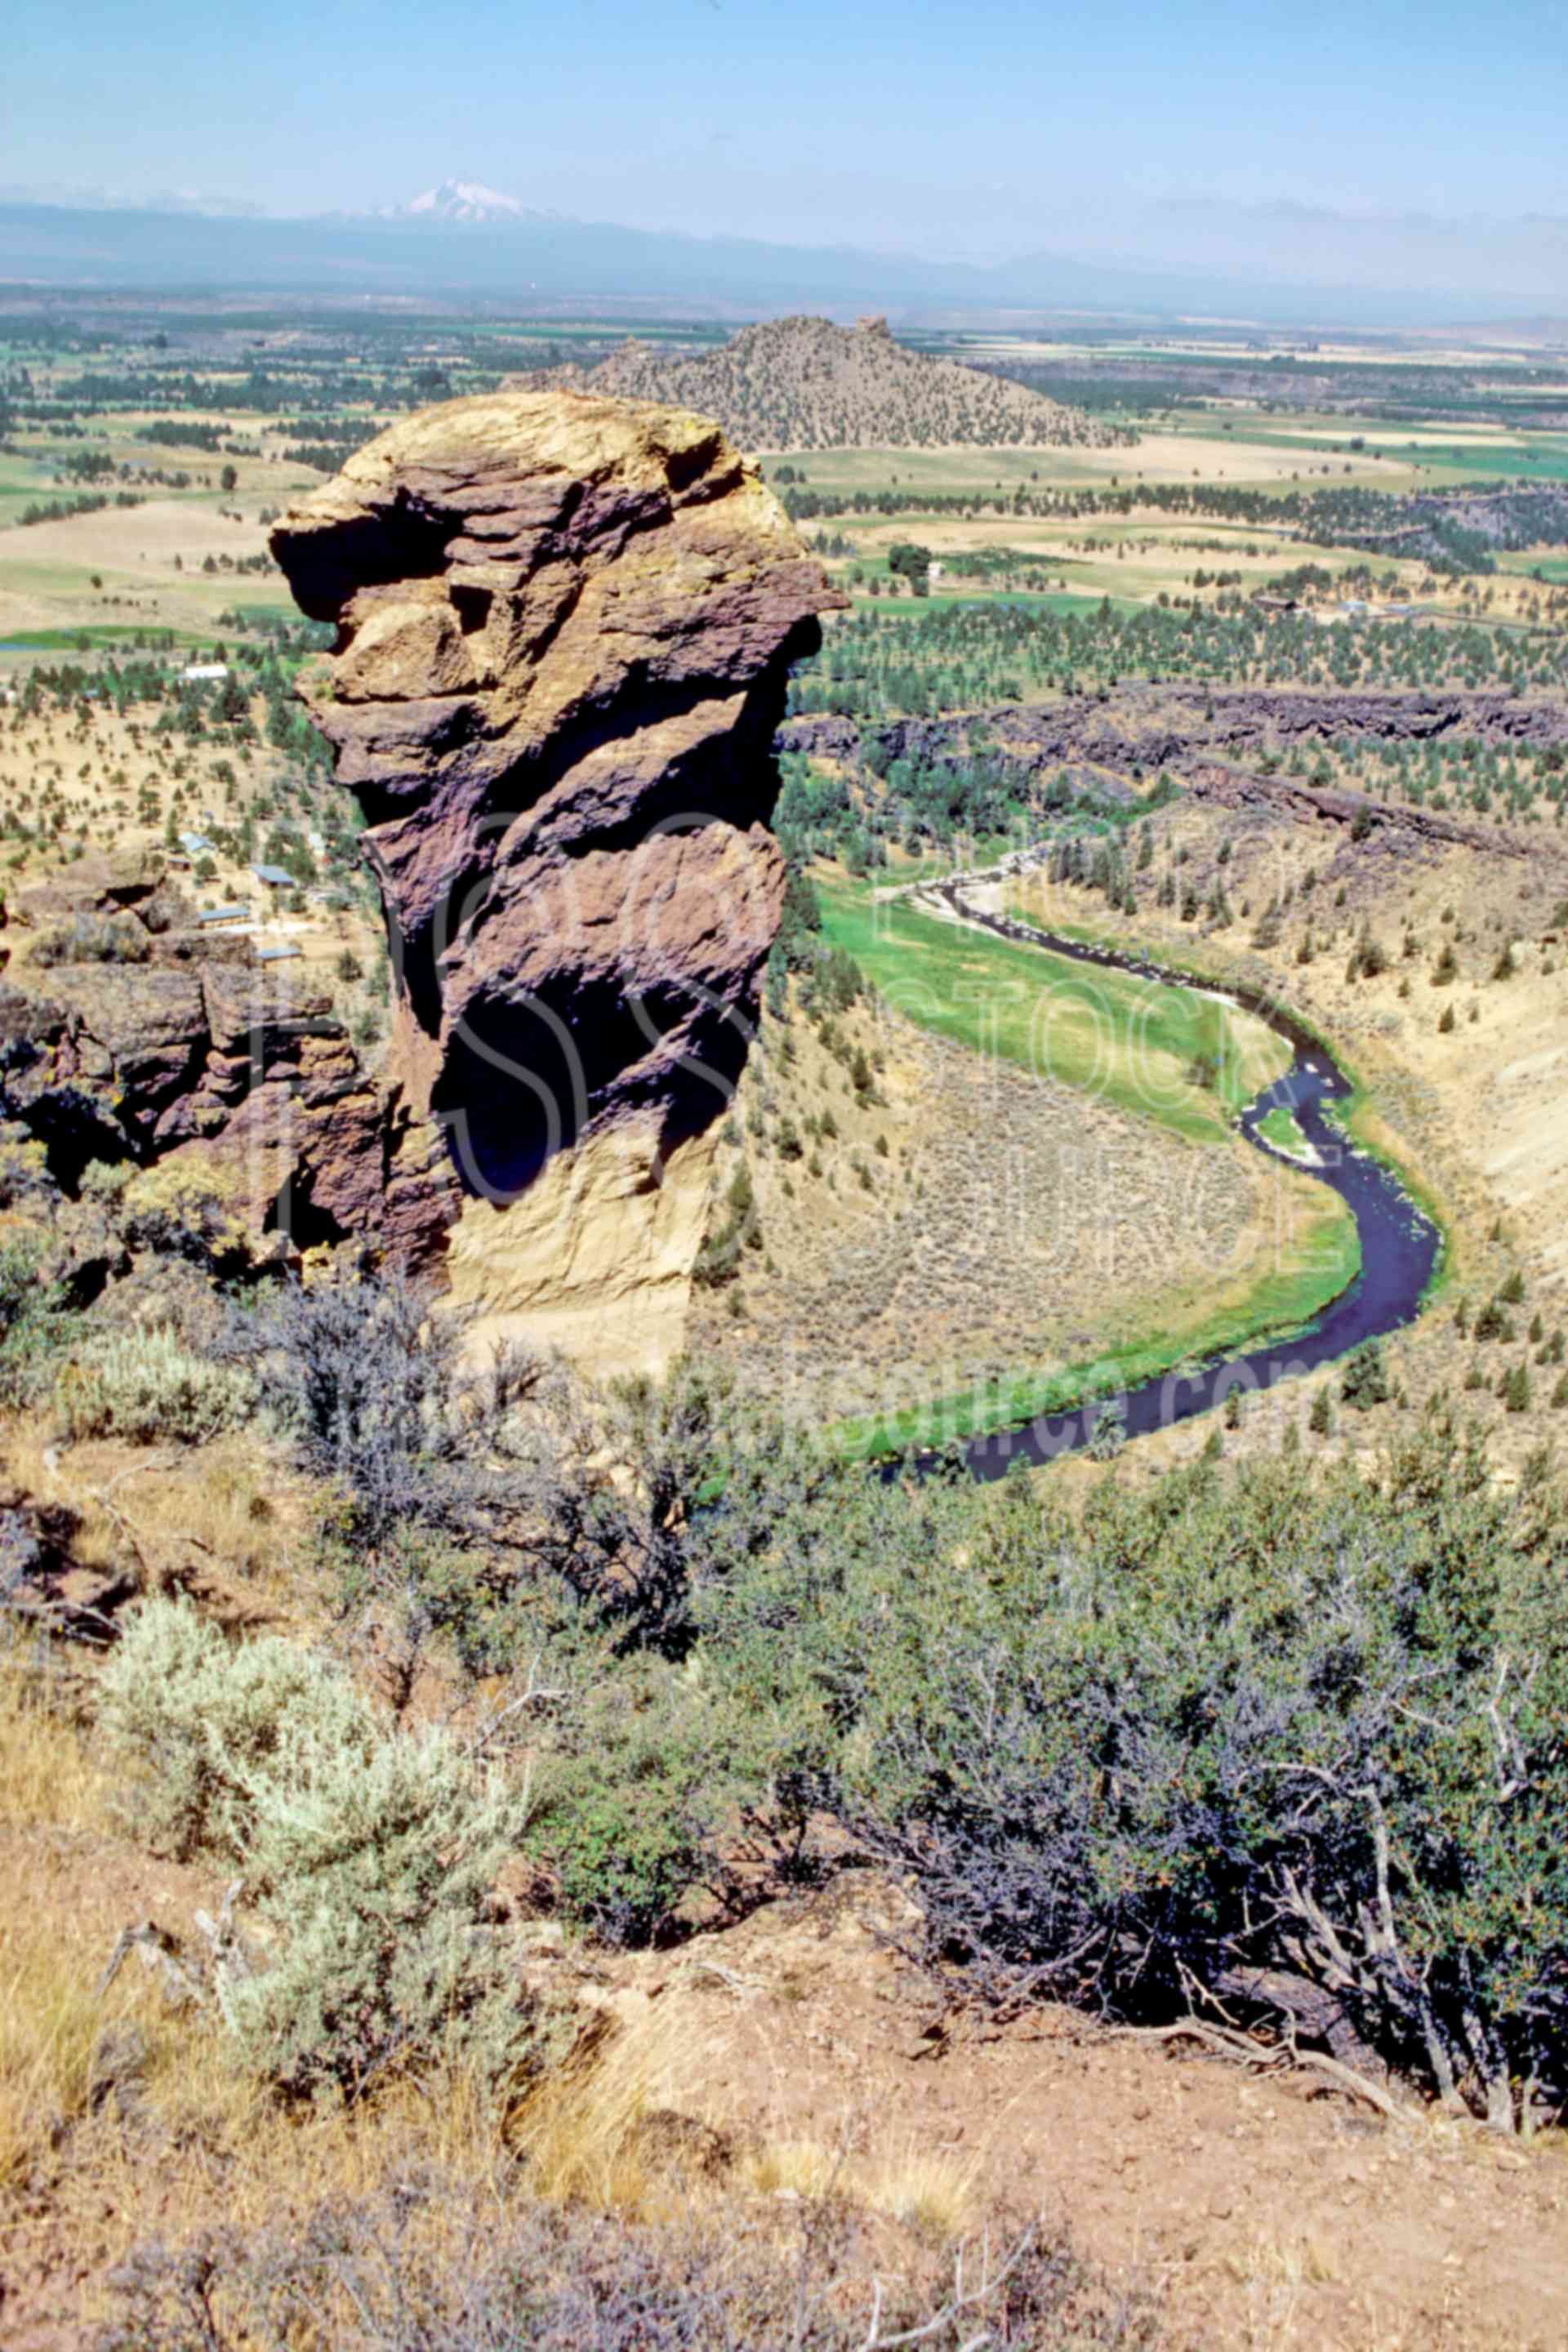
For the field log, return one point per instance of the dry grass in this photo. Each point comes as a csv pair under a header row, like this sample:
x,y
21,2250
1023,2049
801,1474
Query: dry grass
x,y
48,1776
31,1461
1277,2278
49,2025
793,2168
52,1789
582,2134
233,1503
932,2191
1010,1222
929,2190
230,1509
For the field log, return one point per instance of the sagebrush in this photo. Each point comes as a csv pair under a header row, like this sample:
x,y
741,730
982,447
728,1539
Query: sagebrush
x,y
367,1854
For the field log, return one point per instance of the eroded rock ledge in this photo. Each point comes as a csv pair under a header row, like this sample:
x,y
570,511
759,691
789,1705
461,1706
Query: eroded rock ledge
x,y
182,1045
564,625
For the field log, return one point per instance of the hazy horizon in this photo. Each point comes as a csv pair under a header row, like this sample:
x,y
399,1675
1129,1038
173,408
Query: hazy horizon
x,y
1379,149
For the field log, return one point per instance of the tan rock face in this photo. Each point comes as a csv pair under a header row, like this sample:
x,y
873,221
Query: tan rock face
x,y
564,625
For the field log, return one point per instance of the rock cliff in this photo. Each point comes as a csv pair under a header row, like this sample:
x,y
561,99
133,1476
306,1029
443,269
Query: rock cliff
x,y
142,1039
563,627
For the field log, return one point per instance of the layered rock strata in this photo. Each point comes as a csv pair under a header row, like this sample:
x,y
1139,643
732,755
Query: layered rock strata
x,y
564,625
169,1042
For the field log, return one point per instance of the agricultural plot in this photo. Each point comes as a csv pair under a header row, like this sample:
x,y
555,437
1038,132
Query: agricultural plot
x,y
1181,1057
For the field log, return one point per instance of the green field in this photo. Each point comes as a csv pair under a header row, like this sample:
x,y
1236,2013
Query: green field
x,y
1132,1042
1052,600
1281,1129
95,637
1550,567
1279,1304
1532,459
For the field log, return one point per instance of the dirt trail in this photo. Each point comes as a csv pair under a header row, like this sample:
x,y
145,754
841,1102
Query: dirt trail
x,y
1271,2210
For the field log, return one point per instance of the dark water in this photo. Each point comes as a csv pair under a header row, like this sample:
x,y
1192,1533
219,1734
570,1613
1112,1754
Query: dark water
x,y
1399,1243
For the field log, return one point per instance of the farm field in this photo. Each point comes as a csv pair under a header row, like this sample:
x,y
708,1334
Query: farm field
x,y
1133,1043
205,428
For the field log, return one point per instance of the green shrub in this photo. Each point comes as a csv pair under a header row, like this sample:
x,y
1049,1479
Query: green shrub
x,y
184,1209
1289,1721
197,1718
375,1871
719,1259
147,1387
1366,1381
104,1181
416,1586
369,1854
34,1322
24,1168
95,938
632,1797
382,1399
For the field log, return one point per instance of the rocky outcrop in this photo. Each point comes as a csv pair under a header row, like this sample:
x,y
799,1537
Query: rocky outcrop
x,y
1203,736
129,1039
1155,726
565,624
1380,829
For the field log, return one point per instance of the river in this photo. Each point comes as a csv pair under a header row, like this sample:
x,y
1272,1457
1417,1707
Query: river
x,y
1399,1243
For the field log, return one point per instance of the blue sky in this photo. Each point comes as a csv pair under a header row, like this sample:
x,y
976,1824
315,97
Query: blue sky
x,y
986,128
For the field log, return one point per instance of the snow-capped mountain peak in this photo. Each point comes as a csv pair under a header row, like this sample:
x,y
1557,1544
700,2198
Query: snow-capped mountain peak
x,y
462,200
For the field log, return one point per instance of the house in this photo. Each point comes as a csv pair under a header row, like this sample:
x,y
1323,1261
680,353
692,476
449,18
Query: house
x,y
276,955
277,877
215,914
1267,604
204,674
197,845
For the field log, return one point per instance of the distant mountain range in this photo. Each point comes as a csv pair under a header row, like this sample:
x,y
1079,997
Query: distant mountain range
x,y
466,240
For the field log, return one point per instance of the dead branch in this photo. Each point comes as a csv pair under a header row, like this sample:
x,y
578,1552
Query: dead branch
x,y
1267,2058
962,2299
160,1954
